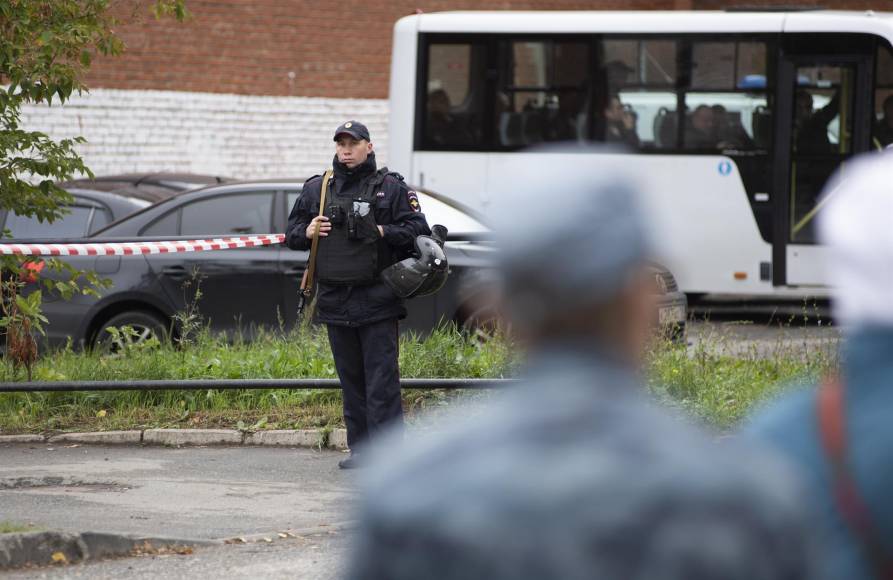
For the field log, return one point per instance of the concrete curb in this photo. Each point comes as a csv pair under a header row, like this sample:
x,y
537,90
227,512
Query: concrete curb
x,y
284,437
99,437
22,438
313,438
44,548
175,437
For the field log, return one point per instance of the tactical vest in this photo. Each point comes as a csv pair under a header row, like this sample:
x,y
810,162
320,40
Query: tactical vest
x,y
345,261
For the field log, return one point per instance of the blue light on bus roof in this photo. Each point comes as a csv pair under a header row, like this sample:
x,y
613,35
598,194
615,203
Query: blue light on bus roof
x,y
752,82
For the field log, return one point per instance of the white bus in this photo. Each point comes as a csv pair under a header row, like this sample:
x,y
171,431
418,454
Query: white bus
x,y
735,120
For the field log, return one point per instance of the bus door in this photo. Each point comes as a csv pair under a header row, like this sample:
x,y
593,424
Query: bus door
x,y
823,104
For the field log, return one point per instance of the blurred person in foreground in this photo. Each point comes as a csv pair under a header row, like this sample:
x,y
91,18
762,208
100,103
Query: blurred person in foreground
x,y
574,474
840,435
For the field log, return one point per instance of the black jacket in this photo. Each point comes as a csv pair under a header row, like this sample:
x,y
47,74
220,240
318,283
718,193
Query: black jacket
x,y
397,210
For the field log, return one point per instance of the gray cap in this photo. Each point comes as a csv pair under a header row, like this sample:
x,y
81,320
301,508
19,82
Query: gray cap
x,y
569,230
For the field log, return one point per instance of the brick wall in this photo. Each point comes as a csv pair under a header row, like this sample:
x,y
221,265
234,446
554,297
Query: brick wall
x,y
285,47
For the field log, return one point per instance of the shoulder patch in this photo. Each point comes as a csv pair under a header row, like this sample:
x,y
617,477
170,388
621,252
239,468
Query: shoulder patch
x,y
413,199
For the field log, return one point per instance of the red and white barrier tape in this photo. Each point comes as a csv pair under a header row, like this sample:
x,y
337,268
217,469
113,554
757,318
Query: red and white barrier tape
x,y
135,248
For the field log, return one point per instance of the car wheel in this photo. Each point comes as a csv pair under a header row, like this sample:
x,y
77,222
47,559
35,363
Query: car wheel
x,y
143,326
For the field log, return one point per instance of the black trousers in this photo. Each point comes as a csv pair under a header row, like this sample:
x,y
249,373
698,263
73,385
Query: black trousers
x,y
366,361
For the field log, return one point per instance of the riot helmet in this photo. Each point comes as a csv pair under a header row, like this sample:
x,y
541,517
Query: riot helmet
x,y
425,272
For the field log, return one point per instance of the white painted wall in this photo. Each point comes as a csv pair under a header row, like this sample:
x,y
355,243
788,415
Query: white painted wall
x,y
241,136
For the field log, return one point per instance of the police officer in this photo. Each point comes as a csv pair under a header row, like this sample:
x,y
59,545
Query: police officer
x,y
573,474
369,222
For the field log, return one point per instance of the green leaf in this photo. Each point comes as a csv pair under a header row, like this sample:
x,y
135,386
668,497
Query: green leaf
x,y
46,47
24,306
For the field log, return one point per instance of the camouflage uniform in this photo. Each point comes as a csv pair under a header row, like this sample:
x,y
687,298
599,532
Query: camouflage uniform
x,y
576,474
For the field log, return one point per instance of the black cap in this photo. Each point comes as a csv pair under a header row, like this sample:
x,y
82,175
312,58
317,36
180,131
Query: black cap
x,y
355,129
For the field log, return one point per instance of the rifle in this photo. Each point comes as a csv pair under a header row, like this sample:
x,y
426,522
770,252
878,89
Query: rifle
x,y
307,279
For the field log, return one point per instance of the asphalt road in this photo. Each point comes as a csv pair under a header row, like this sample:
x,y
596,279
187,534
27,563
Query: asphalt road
x,y
190,493
205,493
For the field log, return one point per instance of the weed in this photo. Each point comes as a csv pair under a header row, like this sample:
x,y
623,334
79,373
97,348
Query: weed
x,y
188,321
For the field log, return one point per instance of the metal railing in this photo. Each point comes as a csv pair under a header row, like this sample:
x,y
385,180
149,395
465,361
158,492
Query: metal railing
x,y
226,384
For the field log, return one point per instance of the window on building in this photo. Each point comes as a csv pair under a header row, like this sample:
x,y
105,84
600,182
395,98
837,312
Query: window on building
x,y
454,96
228,215
543,92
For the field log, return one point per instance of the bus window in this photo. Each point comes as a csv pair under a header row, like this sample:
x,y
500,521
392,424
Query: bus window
x,y
726,105
882,134
637,82
454,97
543,92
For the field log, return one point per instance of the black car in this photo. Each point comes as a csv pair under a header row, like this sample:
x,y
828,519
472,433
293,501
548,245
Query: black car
x,y
248,287
103,200
240,287
151,187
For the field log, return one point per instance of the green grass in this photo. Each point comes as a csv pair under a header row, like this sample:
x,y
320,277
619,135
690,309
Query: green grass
x,y
716,381
7,527
445,353
720,382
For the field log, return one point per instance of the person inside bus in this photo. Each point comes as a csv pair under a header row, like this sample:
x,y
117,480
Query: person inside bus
x,y
566,124
730,133
616,74
883,129
620,123
811,127
442,127
701,130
